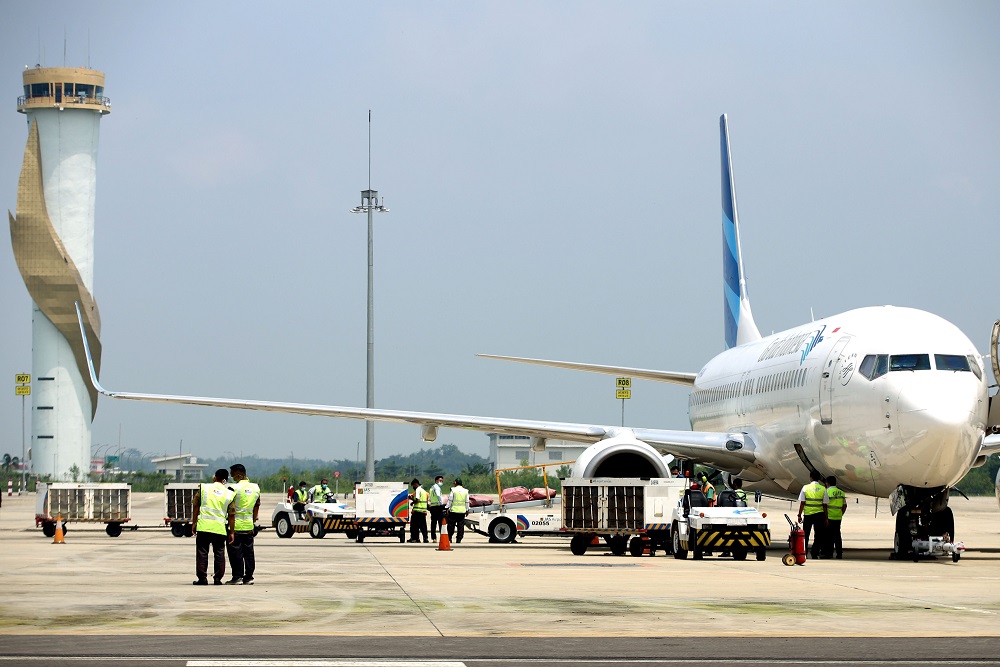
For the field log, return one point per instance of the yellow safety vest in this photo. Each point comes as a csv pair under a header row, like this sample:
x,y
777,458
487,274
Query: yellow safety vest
x,y
420,499
301,495
459,500
319,493
247,495
741,494
838,502
435,496
814,498
213,512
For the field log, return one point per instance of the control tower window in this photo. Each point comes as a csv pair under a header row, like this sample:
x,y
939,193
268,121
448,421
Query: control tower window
x,y
910,362
951,362
40,90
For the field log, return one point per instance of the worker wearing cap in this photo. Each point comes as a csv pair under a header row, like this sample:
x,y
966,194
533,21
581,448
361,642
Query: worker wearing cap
x,y
458,506
709,490
835,514
317,494
418,512
738,489
213,514
435,503
247,507
813,501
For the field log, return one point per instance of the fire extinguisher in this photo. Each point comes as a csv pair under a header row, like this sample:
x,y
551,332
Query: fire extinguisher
x,y
796,545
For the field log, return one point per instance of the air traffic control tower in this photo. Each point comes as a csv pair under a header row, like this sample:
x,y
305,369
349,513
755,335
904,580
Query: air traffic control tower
x,y
52,234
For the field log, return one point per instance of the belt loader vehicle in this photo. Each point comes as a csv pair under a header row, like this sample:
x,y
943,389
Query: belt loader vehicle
x,y
630,514
382,509
503,521
725,528
107,503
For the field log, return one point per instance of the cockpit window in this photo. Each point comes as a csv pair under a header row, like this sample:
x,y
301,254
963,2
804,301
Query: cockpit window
x,y
951,362
974,365
910,362
874,366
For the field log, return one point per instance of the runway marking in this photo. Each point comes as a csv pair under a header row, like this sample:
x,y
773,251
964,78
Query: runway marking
x,y
344,662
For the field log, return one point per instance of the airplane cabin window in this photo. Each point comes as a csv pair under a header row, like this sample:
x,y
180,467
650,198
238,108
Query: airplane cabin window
x,y
910,362
951,362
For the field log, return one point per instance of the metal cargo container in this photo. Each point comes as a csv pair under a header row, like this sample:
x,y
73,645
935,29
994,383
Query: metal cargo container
x,y
109,503
178,507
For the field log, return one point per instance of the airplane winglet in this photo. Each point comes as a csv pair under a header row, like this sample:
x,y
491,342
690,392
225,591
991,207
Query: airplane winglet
x,y
90,358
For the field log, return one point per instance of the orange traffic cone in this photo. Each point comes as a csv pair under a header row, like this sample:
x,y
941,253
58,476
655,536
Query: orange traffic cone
x,y
444,544
58,539
595,541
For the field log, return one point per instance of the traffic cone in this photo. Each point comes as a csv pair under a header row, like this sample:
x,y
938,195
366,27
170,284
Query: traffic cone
x,y
444,544
58,539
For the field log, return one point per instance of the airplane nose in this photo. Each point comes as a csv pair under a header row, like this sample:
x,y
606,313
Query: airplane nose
x,y
938,426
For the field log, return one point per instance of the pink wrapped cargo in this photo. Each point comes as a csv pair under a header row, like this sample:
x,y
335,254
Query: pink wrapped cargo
x,y
478,500
541,493
516,494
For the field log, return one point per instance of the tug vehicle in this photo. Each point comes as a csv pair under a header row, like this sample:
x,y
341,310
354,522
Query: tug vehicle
x,y
729,527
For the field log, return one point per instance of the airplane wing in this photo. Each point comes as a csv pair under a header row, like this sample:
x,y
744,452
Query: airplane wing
x,y
641,373
721,450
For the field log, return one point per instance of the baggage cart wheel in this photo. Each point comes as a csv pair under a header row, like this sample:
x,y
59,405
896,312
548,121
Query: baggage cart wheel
x,y
350,534
113,529
618,544
177,529
788,559
502,531
316,529
361,538
762,554
402,536
675,541
283,526
188,530
577,545
49,529
636,547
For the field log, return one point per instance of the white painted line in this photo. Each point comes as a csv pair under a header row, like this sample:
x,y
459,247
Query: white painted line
x,y
345,662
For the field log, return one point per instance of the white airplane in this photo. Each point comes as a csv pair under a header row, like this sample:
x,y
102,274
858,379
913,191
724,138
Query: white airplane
x,y
892,401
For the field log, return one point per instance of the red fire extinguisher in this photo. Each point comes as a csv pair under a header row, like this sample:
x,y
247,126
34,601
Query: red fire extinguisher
x,y
796,545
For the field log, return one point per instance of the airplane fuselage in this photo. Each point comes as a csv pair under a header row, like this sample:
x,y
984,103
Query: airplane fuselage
x,y
878,397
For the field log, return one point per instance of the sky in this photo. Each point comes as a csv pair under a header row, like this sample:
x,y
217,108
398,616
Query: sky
x,y
552,175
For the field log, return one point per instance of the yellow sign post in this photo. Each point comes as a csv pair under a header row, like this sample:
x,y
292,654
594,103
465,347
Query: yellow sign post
x,y
623,391
22,388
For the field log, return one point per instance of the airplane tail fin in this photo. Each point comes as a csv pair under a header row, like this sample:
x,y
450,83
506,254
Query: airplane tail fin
x,y
740,327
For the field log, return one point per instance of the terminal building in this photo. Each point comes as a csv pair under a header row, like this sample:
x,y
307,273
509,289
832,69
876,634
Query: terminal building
x,y
52,234
181,467
510,451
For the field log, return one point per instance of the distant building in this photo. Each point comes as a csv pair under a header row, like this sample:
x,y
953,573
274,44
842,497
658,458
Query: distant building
x,y
508,451
182,467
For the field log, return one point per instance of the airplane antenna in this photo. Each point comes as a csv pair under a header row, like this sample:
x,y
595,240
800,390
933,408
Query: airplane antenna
x,y
812,316
370,205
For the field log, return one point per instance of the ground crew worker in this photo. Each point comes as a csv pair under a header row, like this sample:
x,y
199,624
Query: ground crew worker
x,y
813,501
834,513
317,494
435,503
708,489
247,508
418,512
458,505
300,499
212,524
738,489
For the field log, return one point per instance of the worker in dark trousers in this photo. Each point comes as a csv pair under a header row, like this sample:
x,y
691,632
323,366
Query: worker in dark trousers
x,y
299,500
435,503
813,502
418,512
835,514
458,506
247,508
212,524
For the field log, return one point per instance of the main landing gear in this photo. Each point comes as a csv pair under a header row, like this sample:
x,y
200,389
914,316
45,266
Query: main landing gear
x,y
921,514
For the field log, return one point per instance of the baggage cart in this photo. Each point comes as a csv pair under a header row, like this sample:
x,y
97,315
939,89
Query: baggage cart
x,y
88,502
382,509
178,507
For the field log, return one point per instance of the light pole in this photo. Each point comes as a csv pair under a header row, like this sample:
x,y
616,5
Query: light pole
x,y
369,205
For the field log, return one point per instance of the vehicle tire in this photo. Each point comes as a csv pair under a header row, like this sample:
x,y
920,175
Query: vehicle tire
x,y
361,538
762,554
788,559
675,543
49,529
955,557
177,529
402,536
636,546
618,544
283,526
696,551
113,529
502,530
944,522
188,530
901,540
316,529
739,554
350,534
578,545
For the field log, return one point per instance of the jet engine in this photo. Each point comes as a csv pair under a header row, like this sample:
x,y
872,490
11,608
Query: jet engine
x,y
621,455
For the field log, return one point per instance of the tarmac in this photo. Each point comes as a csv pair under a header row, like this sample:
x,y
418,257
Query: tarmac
x,y
140,584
